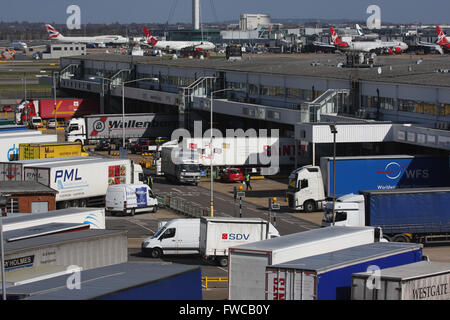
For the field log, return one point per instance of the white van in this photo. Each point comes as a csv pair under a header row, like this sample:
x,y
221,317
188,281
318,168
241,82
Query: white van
x,y
177,236
130,198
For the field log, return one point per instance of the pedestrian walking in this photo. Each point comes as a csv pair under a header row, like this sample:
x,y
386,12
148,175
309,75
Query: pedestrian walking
x,y
150,181
247,182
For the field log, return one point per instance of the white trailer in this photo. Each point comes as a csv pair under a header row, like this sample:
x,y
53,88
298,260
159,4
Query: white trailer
x,y
94,217
415,281
9,143
218,234
180,165
248,262
84,183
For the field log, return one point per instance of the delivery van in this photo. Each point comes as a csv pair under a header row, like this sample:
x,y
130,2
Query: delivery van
x,y
177,236
130,198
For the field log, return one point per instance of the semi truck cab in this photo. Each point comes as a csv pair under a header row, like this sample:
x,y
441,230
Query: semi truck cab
x,y
349,211
305,189
76,130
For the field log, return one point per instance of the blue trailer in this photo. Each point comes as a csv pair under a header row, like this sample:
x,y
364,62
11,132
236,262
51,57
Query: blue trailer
x,y
417,214
329,276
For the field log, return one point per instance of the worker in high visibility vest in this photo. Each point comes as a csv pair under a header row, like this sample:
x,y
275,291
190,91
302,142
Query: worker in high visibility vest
x,y
247,181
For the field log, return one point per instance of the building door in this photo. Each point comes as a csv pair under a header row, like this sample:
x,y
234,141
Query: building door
x,y
39,207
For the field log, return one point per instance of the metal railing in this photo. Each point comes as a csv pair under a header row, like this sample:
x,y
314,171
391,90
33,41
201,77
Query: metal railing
x,y
182,206
205,280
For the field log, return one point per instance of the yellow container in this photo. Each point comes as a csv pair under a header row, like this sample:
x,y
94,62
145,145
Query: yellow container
x,y
29,151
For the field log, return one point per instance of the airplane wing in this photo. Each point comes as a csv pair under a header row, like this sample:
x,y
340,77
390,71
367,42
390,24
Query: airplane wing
x,y
323,44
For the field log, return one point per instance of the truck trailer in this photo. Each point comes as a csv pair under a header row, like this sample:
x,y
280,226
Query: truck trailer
x,y
29,151
110,126
310,186
9,144
84,183
218,234
247,263
416,214
328,276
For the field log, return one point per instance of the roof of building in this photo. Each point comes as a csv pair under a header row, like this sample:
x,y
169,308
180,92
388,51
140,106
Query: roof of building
x,y
24,187
404,68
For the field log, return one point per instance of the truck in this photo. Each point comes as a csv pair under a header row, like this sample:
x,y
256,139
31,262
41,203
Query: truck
x,y
94,217
310,186
84,183
109,126
29,151
66,109
247,263
13,170
130,198
328,276
422,280
404,215
218,234
180,165
9,143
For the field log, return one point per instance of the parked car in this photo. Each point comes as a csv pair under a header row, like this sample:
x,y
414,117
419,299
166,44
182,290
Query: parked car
x,y
102,145
8,108
51,123
140,146
232,175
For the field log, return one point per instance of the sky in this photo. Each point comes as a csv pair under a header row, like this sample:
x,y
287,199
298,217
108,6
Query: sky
x,y
173,11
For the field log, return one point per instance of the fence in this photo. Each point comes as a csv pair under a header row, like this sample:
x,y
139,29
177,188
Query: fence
x,y
182,206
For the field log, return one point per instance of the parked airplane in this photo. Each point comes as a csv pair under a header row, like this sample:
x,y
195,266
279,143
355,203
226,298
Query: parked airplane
x,y
443,40
53,34
19,45
430,47
177,45
363,35
367,46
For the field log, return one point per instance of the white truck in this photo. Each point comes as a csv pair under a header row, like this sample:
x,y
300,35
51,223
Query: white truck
x,y
218,234
110,126
130,198
84,183
180,165
9,143
94,217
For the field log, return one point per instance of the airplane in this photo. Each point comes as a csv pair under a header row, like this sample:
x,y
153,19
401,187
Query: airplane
x,y
443,40
367,46
430,46
18,45
363,35
100,41
177,45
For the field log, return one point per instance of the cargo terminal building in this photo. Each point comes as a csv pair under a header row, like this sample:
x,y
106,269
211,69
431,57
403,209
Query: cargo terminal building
x,y
400,103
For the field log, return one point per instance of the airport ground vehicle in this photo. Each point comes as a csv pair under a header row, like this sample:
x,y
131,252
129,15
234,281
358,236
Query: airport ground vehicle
x,y
9,143
310,186
416,214
130,198
177,236
247,263
415,281
66,109
218,234
35,122
29,151
84,183
109,126
232,175
180,166
329,276
94,217
102,145
141,145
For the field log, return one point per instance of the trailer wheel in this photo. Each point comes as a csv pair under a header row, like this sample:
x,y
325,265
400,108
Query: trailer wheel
x,y
222,261
83,203
309,206
401,238
156,253
155,208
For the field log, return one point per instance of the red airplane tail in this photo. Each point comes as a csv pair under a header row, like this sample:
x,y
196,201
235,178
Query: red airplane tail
x,y
442,39
149,38
336,40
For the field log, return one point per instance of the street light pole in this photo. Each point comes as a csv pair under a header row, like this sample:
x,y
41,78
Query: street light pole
x,y
123,114
54,97
334,132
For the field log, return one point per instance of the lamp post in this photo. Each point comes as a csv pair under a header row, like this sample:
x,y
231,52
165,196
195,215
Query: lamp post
x,y
54,98
334,132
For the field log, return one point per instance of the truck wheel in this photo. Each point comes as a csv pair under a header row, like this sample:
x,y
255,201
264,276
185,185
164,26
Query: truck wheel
x,y
309,206
387,238
401,238
83,203
222,261
156,253
155,208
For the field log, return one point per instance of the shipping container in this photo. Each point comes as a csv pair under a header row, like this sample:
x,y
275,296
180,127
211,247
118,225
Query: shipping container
x,y
9,144
328,276
247,263
416,281
29,151
125,281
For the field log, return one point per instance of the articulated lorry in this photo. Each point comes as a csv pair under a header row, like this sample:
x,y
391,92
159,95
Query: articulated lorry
x,y
404,215
29,151
110,126
310,186
84,183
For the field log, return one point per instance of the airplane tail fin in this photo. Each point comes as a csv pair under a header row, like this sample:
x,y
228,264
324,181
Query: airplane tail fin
x,y
53,33
336,40
442,40
149,38
359,30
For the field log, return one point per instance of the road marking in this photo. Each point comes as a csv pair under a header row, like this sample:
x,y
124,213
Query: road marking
x,y
222,269
177,190
140,225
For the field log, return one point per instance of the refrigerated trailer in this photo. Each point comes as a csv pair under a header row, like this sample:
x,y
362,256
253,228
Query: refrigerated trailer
x,y
416,281
9,144
310,186
328,276
247,263
84,183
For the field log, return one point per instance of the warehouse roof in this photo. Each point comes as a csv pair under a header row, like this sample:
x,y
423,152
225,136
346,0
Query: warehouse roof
x,y
24,187
398,69
99,282
341,258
